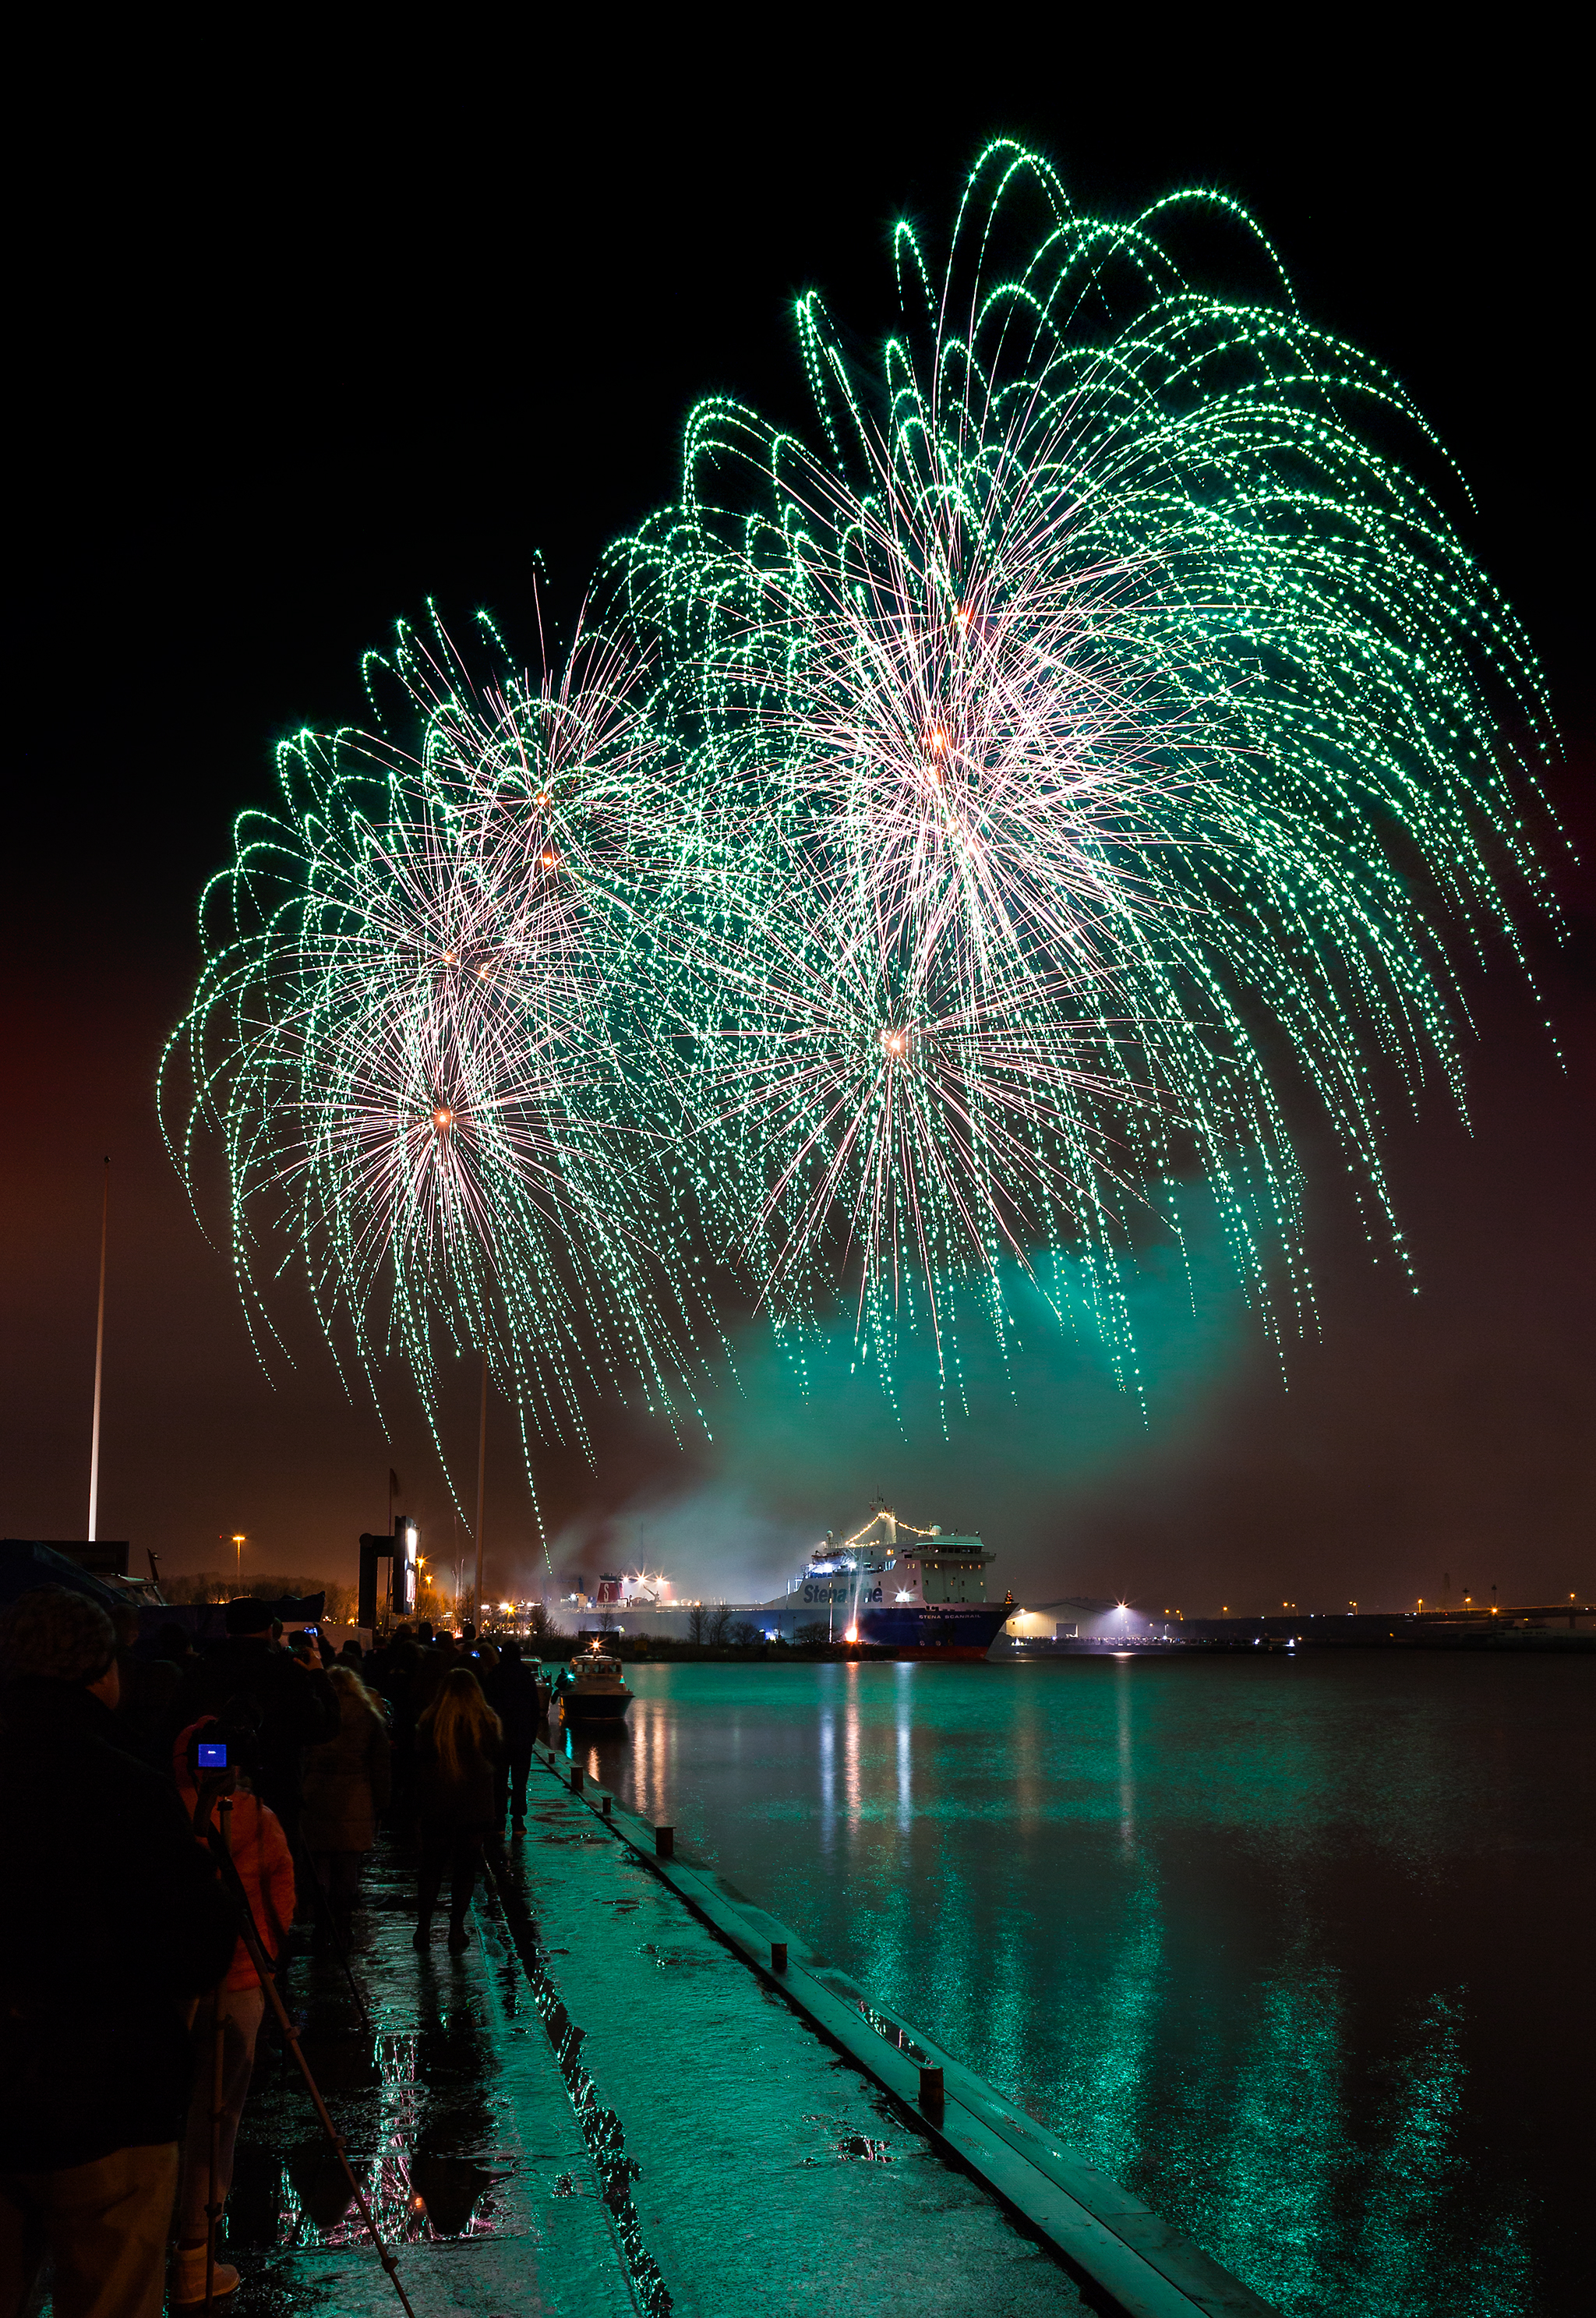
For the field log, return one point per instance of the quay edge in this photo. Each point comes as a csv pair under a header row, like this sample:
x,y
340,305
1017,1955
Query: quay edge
x,y
1118,2249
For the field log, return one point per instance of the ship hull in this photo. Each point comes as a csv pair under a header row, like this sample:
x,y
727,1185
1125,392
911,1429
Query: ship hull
x,y
606,1706
934,1629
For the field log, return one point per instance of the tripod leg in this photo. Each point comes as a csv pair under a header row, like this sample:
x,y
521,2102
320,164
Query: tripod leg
x,y
250,1936
213,2203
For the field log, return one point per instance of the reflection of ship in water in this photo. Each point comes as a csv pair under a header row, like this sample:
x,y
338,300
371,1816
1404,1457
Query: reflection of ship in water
x,y
911,1590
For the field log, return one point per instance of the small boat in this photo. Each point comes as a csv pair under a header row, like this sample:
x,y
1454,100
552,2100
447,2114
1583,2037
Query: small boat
x,y
590,1689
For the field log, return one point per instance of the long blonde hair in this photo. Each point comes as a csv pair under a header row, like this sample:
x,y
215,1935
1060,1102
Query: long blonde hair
x,y
348,1684
459,1718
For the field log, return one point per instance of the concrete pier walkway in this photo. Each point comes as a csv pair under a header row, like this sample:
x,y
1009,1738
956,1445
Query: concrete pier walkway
x,y
459,2131
600,2109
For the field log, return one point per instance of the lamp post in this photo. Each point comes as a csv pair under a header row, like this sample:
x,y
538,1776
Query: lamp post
x,y
99,1359
481,1491
238,1540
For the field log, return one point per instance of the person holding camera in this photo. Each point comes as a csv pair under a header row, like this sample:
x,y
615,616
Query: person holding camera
x,y
297,1704
116,1921
260,1854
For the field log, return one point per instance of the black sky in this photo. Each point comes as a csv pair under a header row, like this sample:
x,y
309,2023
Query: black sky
x,y
305,339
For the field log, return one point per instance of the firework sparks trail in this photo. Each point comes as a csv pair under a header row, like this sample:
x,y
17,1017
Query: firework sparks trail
x,y
412,1032
962,829
1096,735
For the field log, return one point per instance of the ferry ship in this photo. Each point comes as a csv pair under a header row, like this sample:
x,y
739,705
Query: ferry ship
x,y
919,1592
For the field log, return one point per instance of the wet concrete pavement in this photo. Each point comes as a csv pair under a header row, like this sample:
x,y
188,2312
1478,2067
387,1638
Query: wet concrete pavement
x,y
773,2176
459,2127
598,2108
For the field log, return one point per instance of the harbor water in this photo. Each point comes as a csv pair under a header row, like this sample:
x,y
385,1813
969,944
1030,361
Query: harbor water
x,y
1297,1948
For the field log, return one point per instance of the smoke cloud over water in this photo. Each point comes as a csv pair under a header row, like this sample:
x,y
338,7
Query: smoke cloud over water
x,y
806,1436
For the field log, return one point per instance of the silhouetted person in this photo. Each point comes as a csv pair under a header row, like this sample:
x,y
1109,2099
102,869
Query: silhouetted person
x,y
297,1705
259,1850
121,1921
512,1692
149,1686
432,1663
399,1686
459,1742
347,1781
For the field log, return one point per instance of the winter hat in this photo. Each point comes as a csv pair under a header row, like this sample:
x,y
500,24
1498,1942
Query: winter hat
x,y
55,1631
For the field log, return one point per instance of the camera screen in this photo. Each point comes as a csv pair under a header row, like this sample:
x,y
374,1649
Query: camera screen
x,y
212,1758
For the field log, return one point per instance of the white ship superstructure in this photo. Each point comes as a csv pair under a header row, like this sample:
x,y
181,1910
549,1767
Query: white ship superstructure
x,y
892,1583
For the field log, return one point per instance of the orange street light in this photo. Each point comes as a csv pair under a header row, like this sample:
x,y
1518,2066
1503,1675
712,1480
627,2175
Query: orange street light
x,y
238,1540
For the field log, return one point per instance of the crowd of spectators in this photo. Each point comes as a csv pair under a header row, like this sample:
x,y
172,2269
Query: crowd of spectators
x,y
125,1970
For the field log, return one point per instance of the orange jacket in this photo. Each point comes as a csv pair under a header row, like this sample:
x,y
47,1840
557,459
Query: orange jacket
x,y
261,1855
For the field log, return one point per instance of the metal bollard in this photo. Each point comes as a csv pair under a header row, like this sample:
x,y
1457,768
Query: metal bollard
x,y
576,1778
665,1843
778,1956
606,1805
931,2091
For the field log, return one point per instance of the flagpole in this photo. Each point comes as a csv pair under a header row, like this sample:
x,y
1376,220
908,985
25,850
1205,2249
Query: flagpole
x,y
99,1358
481,1491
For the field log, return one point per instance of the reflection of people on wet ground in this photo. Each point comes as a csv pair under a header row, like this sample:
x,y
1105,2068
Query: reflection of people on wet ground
x,y
260,1854
512,1692
459,1745
347,1781
115,1920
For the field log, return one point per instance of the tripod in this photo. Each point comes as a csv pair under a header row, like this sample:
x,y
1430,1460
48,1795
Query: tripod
x,y
216,1841
220,1841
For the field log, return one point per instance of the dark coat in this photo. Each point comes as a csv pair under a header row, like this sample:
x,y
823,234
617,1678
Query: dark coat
x,y
465,1798
113,1917
143,1710
347,1780
512,1692
434,1662
297,1709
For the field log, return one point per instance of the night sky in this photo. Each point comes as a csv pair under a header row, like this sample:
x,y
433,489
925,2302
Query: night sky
x,y
303,342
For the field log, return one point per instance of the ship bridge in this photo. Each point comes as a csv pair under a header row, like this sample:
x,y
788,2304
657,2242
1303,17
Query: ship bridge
x,y
950,1568
909,1564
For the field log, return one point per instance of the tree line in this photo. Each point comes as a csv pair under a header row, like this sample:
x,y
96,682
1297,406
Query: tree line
x,y
219,1585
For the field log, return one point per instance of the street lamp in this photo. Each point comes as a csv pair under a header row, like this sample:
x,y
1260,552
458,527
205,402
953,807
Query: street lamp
x,y
238,1540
